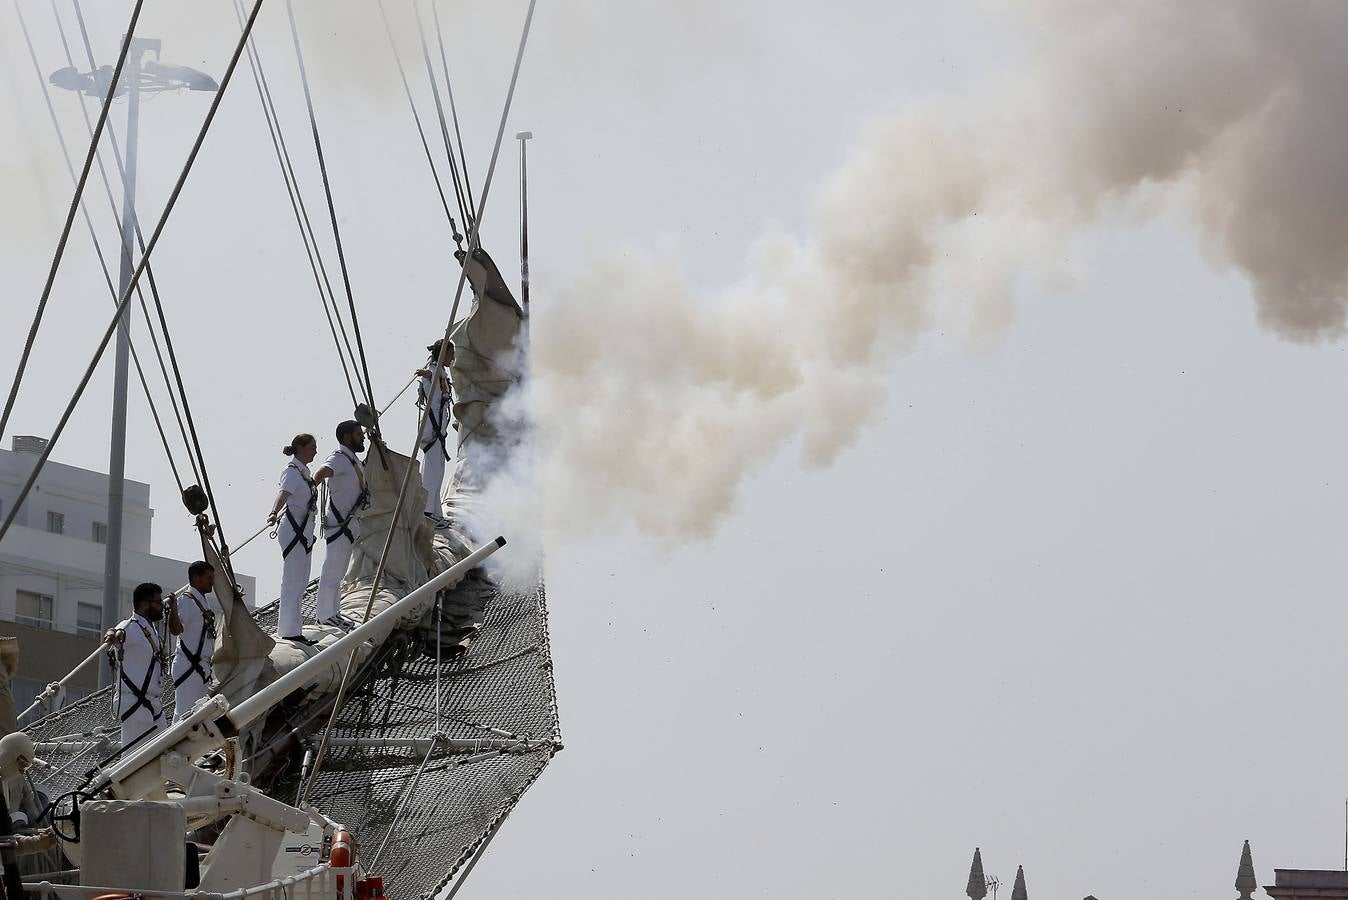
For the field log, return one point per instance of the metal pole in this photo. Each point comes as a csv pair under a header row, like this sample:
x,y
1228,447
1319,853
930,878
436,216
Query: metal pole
x,y
523,137
112,559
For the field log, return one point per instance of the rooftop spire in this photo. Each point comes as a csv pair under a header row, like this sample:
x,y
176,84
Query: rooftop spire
x,y
978,885
1018,890
1246,882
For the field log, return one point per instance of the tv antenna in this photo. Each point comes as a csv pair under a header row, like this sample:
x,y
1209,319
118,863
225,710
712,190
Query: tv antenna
x,y
992,883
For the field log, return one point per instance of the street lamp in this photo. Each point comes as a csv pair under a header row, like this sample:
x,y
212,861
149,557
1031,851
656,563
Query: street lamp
x,y
138,76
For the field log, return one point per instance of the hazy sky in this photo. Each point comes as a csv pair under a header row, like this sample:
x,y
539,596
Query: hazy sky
x,y
1071,596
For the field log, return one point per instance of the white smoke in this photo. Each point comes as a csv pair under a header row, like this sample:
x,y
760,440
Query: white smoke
x,y
655,403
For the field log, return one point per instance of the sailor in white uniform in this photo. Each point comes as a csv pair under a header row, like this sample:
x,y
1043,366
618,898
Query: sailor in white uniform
x,y
347,498
436,396
294,515
139,658
198,613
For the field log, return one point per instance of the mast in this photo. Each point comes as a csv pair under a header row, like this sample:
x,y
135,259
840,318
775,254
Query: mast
x,y
523,138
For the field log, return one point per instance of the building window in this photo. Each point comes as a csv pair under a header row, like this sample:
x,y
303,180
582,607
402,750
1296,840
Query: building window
x,y
89,621
34,610
100,532
56,523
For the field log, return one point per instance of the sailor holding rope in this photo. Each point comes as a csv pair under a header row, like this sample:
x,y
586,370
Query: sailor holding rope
x,y
436,396
196,639
347,499
138,656
298,500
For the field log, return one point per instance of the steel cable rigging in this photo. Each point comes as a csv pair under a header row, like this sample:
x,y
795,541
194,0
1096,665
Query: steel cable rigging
x,y
125,299
129,34
331,310
367,386
93,237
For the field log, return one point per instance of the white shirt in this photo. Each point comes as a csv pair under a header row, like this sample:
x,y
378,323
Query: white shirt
x,y
345,485
194,622
139,653
298,483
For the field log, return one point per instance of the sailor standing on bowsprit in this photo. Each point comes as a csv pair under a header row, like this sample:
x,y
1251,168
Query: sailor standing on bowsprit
x,y
347,498
435,395
138,656
197,613
298,500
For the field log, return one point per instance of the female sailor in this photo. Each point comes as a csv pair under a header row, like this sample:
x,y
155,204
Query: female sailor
x,y
293,514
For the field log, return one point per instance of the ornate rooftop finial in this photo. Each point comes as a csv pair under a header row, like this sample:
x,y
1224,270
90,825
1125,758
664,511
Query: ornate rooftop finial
x,y
1246,882
978,885
1018,889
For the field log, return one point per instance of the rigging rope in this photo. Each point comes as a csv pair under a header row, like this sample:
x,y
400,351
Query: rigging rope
x,y
300,210
70,216
421,422
332,210
421,132
194,445
136,275
140,238
93,234
112,204
453,110
465,207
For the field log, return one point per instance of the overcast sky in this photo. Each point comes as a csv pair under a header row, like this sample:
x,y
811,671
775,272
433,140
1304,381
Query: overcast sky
x,y
1073,595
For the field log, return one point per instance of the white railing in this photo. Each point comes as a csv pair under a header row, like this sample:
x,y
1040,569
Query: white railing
x,y
318,883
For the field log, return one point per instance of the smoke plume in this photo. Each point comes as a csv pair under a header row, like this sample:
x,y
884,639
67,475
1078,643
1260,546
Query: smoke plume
x,y
656,403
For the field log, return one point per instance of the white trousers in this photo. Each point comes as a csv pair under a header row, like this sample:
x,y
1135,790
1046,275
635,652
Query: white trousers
x,y
295,573
186,695
335,561
433,479
138,723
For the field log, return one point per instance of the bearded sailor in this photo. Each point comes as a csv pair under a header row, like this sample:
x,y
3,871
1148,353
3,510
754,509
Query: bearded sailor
x,y
196,611
298,500
138,657
436,397
347,498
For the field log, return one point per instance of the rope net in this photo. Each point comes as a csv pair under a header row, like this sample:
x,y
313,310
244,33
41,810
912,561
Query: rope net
x,y
499,690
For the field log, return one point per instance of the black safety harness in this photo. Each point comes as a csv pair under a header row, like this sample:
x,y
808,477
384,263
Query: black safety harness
x,y
299,539
142,693
194,662
343,522
435,417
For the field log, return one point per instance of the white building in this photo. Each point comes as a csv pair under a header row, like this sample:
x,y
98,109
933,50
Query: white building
x,y
51,564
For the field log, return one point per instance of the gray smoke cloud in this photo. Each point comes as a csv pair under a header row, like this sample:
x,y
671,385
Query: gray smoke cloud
x,y
656,400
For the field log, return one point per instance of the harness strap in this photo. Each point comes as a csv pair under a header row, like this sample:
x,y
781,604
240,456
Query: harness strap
x,y
299,538
309,509
437,421
343,526
142,693
194,663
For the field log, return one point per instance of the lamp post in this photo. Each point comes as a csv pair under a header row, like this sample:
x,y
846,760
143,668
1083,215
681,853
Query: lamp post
x,y
138,75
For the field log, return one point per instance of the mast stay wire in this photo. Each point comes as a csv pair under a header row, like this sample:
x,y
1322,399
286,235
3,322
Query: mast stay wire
x,y
328,299
70,220
93,237
421,419
332,211
453,110
112,205
465,206
136,274
421,132
194,446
